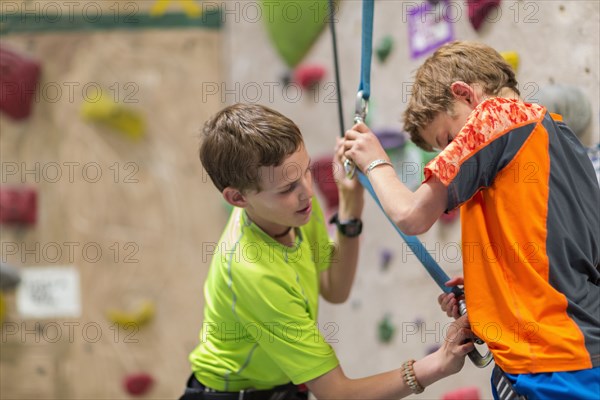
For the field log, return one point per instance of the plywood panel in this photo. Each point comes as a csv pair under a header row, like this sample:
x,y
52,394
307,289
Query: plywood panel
x,y
131,216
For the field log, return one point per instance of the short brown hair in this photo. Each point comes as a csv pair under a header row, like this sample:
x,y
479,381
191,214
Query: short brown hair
x,y
470,62
240,139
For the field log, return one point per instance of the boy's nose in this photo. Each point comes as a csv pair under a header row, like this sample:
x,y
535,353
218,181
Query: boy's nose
x,y
307,188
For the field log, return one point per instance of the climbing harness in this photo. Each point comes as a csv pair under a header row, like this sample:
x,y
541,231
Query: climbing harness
x,y
361,109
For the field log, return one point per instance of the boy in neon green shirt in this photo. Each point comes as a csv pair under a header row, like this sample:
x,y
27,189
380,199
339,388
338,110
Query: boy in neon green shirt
x,y
259,337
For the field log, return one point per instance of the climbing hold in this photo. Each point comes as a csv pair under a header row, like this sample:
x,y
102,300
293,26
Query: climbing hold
x,y
386,258
191,9
466,393
137,318
138,384
322,171
386,330
18,205
9,277
512,58
384,48
286,78
114,115
293,30
450,216
308,76
390,138
2,308
479,10
19,77
570,102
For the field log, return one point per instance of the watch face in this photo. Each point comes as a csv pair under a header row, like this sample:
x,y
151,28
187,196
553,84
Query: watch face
x,y
351,228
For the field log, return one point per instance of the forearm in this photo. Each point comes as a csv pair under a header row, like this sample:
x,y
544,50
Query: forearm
x,y
397,200
387,385
345,255
343,268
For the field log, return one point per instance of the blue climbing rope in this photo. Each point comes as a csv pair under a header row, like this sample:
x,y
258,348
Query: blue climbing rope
x,y
364,92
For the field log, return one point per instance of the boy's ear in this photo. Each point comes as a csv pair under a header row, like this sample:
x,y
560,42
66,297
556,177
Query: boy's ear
x,y
464,92
234,197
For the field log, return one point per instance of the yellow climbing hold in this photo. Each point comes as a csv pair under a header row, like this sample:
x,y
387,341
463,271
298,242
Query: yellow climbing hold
x,y
140,317
511,57
105,111
191,8
2,308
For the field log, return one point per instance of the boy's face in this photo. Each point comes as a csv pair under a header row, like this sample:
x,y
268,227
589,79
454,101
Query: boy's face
x,y
445,126
286,196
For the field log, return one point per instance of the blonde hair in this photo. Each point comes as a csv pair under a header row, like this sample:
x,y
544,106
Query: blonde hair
x,y
240,139
470,62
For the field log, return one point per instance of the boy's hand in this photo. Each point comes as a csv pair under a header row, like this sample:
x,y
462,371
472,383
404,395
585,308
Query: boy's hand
x,y
362,146
351,191
457,343
448,301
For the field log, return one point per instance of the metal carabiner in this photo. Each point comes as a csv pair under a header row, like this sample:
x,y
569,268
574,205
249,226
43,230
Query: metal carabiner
x,y
361,108
480,361
360,114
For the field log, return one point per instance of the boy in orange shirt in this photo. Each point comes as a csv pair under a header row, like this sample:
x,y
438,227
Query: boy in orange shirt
x,y
529,211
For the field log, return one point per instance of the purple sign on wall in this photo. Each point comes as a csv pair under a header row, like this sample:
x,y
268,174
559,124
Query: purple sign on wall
x,y
429,26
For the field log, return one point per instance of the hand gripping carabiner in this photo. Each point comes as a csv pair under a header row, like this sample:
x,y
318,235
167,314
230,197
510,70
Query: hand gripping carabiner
x,y
360,114
480,361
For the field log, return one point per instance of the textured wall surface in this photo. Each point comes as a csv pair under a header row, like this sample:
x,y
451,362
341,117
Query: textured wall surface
x,y
153,196
145,205
558,42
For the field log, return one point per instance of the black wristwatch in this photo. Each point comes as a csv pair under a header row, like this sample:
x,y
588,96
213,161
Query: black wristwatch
x,y
350,228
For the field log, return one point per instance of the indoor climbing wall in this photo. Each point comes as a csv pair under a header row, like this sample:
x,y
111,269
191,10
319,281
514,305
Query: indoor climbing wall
x,y
105,208
109,222
392,314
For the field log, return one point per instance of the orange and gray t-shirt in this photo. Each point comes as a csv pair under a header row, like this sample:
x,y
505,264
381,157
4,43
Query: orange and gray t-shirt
x,y
530,236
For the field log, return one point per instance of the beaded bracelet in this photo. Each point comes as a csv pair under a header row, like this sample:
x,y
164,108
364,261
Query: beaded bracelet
x,y
376,163
408,374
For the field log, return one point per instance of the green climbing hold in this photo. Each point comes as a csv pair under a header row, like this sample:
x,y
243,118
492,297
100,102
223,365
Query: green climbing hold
x,y
384,48
386,330
294,26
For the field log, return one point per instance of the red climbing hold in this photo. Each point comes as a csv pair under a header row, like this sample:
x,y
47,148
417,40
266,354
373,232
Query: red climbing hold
x,y
18,205
479,10
138,384
322,170
18,82
308,76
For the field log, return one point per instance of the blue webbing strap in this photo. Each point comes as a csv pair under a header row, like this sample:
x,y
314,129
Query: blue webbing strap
x,y
432,267
367,48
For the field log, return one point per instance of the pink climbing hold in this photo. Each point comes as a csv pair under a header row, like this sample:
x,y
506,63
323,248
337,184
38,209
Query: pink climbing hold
x,y
466,393
138,384
479,10
308,76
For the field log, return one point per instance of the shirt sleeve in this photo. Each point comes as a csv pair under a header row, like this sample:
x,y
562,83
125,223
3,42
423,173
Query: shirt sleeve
x,y
489,141
320,242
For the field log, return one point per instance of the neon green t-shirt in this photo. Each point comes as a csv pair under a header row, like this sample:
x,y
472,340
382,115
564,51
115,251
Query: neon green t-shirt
x,y
260,317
